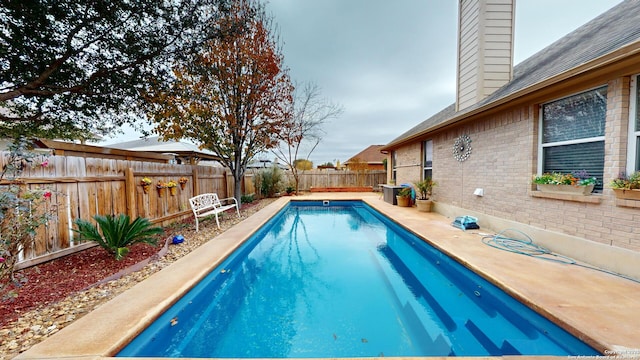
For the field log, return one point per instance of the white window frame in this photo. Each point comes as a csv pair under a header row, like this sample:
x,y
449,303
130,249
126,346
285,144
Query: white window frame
x,y
542,146
424,158
394,165
634,134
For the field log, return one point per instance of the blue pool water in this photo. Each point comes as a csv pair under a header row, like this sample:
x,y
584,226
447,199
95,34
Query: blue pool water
x,y
344,281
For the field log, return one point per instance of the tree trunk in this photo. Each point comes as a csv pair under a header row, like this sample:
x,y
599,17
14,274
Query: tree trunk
x,y
238,174
296,179
237,189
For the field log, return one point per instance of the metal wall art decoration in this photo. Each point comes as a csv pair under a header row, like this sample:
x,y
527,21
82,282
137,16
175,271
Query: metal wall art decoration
x,y
462,148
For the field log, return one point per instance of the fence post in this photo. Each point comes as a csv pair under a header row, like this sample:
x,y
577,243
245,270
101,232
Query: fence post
x,y
196,181
130,193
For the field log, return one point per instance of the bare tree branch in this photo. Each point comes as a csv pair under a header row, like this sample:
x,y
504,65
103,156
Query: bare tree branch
x,y
310,112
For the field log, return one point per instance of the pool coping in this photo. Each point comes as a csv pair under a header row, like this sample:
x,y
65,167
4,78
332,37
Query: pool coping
x,y
601,309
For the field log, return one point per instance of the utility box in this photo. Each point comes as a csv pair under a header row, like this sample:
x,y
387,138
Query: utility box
x,y
389,193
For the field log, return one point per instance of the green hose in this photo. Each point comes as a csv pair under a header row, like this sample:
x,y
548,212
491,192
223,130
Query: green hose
x,y
524,245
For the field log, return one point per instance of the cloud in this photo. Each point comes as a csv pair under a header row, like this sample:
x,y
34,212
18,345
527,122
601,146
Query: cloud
x,y
392,64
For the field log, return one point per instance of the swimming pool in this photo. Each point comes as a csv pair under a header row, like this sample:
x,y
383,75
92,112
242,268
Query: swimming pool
x,y
344,281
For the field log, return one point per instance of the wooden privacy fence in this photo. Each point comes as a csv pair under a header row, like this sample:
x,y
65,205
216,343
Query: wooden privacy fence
x,y
335,179
83,187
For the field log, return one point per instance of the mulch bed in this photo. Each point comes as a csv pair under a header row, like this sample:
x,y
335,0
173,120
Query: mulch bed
x,y
55,280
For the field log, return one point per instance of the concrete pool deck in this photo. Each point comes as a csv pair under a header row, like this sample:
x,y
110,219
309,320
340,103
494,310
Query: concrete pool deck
x,y
601,309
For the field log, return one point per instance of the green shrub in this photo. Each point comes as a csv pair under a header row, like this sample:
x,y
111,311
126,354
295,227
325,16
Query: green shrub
x,y
246,199
270,181
405,191
117,233
22,206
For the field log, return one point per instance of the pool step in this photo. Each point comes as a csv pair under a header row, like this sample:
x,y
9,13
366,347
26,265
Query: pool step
x,y
407,263
530,347
424,297
464,342
490,332
483,339
415,314
439,346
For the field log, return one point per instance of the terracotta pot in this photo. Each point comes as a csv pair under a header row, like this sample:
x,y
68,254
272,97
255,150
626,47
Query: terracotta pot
x,y
566,189
424,205
633,194
403,201
182,185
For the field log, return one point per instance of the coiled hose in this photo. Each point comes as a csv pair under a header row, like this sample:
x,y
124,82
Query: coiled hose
x,y
518,242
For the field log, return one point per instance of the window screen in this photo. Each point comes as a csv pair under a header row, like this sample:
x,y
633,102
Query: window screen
x,y
394,164
573,134
576,117
427,163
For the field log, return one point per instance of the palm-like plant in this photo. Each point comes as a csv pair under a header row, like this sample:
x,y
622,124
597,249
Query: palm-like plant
x,y
116,233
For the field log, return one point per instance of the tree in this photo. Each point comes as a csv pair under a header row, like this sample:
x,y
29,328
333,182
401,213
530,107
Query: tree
x,y
310,112
23,208
233,98
360,167
69,68
303,164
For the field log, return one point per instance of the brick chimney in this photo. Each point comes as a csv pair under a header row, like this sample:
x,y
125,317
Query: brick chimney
x,y
485,48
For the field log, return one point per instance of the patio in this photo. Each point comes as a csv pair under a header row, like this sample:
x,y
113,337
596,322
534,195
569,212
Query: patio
x,y
599,308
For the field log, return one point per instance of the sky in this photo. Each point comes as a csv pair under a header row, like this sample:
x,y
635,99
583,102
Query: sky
x,y
392,64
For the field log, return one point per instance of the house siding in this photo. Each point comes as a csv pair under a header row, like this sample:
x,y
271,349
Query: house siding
x,y
485,48
503,160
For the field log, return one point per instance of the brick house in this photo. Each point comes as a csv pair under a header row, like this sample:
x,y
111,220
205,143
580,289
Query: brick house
x,y
368,159
571,106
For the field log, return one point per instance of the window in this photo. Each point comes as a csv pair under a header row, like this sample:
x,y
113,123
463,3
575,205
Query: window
x,y
572,134
394,164
633,160
427,159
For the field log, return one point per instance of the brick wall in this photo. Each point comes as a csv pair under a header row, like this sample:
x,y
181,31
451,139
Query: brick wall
x,y
503,161
408,163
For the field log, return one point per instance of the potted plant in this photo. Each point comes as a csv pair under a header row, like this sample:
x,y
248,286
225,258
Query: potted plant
x,y
173,187
425,187
146,184
627,187
183,181
160,186
576,183
403,199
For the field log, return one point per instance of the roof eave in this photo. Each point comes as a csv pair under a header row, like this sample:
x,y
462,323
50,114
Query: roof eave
x,y
615,62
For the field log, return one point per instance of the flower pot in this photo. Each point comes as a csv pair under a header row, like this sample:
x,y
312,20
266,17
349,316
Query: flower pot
x,y
160,192
173,191
183,185
424,205
566,189
403,201
633,194
146,188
